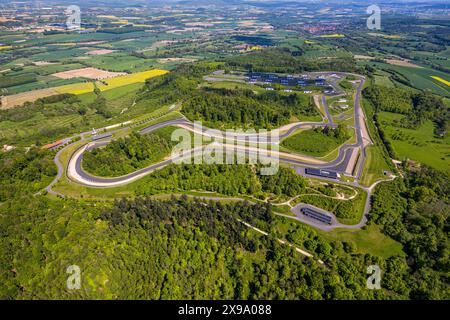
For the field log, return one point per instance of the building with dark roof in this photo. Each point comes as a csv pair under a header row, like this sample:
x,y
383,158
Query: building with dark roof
x,y
317,215
322,173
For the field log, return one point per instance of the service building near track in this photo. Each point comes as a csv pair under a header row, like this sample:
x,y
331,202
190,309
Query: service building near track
x,y
101,136
317,215
322,173
270,78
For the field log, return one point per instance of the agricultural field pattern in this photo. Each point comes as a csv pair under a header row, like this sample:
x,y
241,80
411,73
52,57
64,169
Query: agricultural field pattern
x,y
213,150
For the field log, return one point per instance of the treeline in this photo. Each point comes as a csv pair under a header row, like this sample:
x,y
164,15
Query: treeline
x,y
282,60
180,82
340,133
174,249
57,105
126,155
222,179
418,107
244,108
415,212
63,97
99,104
121,30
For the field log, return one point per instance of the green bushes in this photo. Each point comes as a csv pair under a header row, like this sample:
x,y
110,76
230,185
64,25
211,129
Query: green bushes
x,y
126,155
243,108
389,99
414,211
417,107
317,142
24,172
221,179
11,81
57,105
285,61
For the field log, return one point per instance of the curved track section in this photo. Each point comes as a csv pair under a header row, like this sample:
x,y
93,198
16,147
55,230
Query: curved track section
x,y
76,173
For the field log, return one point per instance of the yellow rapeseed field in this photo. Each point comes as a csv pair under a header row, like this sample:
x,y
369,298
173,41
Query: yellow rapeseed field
x,y
441,80
334,35
85,87
111,17
111,83
5,47
129,79
76,88
386,36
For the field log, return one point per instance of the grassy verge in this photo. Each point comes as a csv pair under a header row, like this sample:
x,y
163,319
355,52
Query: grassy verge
x,y
368,240
311,143
375,164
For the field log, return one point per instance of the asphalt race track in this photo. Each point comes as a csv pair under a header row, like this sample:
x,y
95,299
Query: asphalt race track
x,y
76,173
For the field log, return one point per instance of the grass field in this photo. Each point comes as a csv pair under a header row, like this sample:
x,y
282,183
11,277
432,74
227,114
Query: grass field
x,y
112,83
420,78
383,80
311,143
120,62
233,85
374,166
369,240
417,144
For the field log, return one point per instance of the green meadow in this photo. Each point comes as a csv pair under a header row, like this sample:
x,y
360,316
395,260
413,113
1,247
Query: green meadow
x,y
419,144
311,142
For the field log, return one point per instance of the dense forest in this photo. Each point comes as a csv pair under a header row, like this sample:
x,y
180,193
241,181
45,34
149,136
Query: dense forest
x,y
415,212
202,249
146,249
24,172
222,179
128,154
181,248
244,108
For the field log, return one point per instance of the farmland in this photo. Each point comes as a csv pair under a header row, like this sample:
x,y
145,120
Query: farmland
x,y
89,73
86,122
441,80
83,87
420,78
419,144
